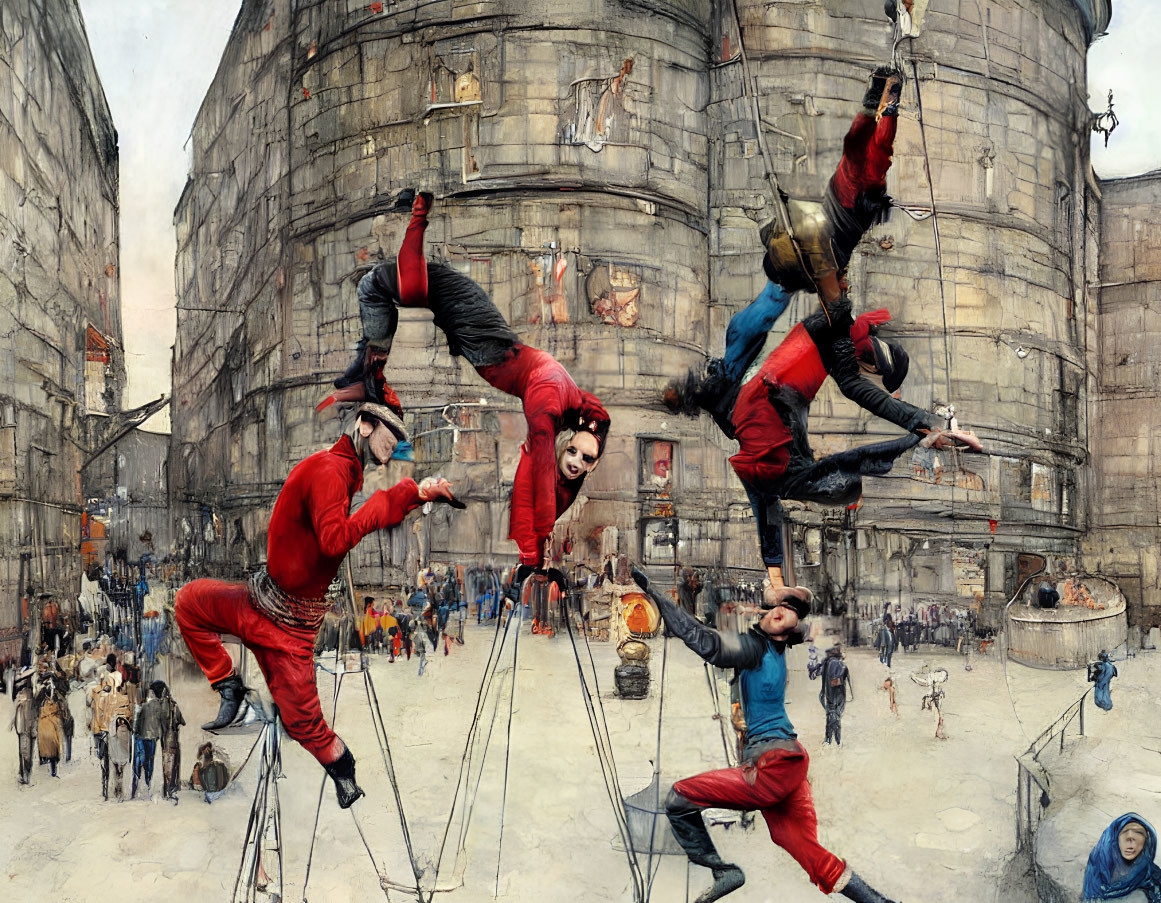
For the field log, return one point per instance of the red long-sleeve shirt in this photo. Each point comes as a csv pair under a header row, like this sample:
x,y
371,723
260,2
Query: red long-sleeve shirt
x,y
312,527
761,433
540,494
818,347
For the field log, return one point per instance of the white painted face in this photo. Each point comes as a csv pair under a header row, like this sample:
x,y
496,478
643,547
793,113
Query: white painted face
x,y
380,440
1132,840
579,456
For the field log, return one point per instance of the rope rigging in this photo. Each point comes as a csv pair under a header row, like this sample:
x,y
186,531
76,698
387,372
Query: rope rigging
x,y
603,743
417,889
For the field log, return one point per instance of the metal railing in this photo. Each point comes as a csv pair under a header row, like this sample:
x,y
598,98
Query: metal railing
x,y
1031,772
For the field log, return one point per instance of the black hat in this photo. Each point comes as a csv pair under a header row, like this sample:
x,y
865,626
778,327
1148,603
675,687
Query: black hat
x,y
797,597
891,362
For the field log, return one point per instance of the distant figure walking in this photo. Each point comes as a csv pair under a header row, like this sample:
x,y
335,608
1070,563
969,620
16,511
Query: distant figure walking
x,y
836,679
1101,672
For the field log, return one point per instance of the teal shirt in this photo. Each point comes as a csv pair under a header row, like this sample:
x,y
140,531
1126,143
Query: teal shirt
x,y
763,692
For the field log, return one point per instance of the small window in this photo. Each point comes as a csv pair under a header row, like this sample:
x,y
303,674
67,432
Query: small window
x,y
658,460
659,540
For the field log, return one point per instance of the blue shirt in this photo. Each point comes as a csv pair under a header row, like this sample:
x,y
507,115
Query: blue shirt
x,y
763,691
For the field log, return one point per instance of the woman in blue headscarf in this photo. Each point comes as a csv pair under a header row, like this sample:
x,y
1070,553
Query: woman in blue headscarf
x,y
1101,672
1122,862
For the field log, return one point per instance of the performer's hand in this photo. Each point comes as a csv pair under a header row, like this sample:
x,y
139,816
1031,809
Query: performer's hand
x,y
941,439
774,575
435,488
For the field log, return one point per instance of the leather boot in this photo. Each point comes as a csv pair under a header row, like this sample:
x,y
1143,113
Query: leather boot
x,y
233,694
404,201
354,373
874,93
690,830
727,879
858,890
342,772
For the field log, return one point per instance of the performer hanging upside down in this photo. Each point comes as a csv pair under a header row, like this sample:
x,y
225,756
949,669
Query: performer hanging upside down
x,y
363,379
825,234
567,426
765,408
772,776
277,614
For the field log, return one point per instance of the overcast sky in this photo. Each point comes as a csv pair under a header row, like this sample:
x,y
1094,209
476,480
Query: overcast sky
x,y
156,58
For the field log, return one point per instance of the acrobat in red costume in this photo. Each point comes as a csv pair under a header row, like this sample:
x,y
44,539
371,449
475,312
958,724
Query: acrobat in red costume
x,y
277,614
765,408
567,426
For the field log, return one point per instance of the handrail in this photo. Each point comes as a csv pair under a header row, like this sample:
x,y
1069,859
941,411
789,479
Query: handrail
x,y
1031,771
1050,731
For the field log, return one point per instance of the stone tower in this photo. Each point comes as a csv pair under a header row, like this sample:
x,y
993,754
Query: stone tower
x,y
601,171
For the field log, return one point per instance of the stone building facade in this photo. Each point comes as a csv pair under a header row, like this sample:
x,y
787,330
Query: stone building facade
x,y
1125,530
61,357
127,495
604,173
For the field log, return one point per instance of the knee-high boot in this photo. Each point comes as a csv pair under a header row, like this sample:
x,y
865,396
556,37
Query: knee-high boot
x,y
858,890
689,828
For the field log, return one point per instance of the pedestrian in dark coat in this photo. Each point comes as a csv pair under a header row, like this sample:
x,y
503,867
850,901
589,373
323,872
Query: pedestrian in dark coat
x,y
836,679
171,721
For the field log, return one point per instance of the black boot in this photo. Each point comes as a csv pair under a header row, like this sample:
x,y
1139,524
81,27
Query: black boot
x,y
858,891
342,772
403,201
875,90
354,373
233,694
515,588
727,879
690,830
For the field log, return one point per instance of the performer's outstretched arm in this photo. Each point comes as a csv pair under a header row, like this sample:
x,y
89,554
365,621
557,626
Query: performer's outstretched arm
x,y
845,370
542,455
338,532
837,351
723,650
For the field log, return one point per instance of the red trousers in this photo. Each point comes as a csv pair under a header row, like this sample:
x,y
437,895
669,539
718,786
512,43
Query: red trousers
x,y
867,150
207,608
776,785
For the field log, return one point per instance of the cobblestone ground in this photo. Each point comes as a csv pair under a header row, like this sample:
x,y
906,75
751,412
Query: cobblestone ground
x,y
922,819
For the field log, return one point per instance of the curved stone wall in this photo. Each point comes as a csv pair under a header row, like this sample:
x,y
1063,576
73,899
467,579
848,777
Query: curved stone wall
x,y
599,167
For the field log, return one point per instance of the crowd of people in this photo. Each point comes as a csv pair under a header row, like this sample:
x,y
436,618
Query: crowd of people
x,y
128,724
428,617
